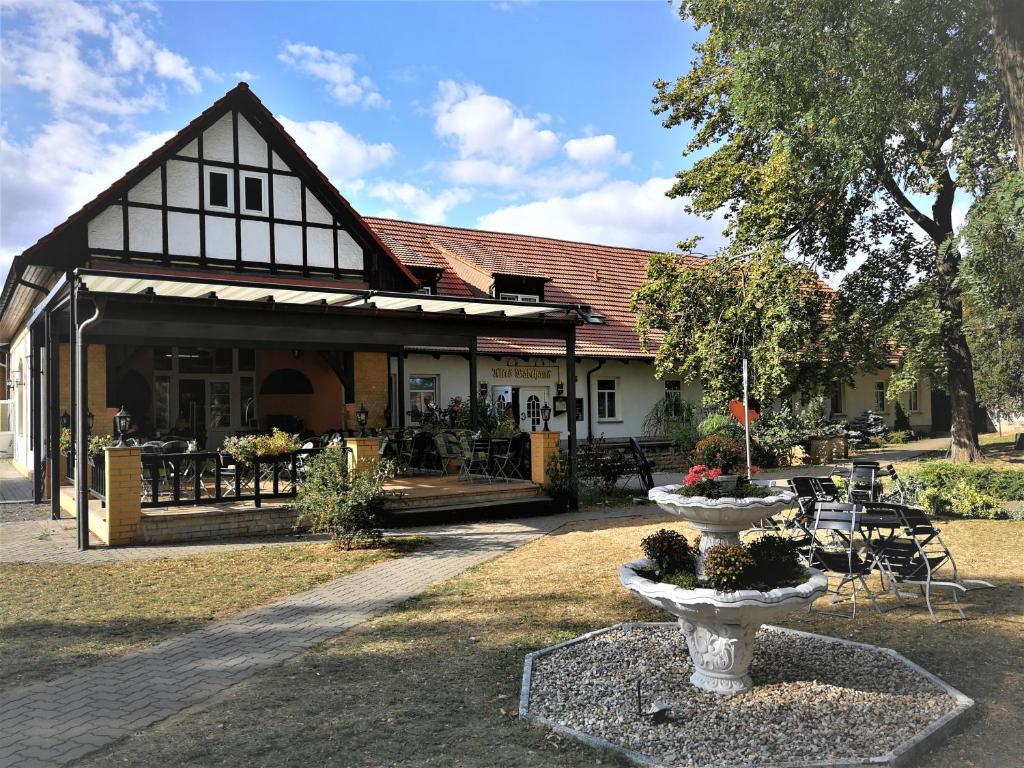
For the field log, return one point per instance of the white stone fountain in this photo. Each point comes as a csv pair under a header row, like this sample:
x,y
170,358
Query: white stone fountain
x,y
719,627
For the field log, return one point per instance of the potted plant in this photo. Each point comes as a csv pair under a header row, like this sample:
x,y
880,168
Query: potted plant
x,y
722,453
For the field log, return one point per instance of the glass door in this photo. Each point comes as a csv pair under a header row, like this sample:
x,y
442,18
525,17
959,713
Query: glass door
x,y
221,417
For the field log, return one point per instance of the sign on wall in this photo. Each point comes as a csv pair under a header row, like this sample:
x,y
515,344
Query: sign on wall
x,y
522,372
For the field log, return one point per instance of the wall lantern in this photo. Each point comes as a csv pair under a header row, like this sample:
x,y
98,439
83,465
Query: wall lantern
x,y
90,419
122,423
361,417
545,413
65,419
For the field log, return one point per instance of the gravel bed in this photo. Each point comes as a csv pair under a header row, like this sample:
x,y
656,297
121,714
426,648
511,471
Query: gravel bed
x,y
21,511
814,700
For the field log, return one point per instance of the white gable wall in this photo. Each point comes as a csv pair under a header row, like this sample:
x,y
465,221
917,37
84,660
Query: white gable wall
x,y
176,198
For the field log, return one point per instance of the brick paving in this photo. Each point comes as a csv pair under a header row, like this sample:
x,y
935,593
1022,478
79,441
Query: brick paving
x,y
53,723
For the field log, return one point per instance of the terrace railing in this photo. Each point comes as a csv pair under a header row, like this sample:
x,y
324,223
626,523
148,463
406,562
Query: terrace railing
x,y
211,477
98,478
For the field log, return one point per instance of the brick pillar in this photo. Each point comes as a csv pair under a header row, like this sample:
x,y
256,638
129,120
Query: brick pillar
x,y
364,450
124,496
543,445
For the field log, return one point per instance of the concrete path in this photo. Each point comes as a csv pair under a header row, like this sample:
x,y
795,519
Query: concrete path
x,y
50,724
13,486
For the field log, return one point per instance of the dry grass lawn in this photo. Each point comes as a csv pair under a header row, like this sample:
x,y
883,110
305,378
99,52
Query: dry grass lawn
x,y
436,683
56,617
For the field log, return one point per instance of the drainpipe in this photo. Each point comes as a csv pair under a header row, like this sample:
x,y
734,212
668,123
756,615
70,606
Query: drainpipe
x,y
590,406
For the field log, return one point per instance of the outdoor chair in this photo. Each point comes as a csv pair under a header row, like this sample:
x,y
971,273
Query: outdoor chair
x,y
475,458
447,452
642,466
835,547
504,459
809,491
915,555
864,482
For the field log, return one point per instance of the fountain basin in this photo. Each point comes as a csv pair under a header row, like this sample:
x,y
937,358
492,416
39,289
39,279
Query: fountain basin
x,y
719,627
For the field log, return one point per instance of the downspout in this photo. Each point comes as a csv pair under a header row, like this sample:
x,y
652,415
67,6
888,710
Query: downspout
x,y
590,405
81,437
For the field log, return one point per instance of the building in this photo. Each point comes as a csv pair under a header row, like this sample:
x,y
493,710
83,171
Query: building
x,y
191,268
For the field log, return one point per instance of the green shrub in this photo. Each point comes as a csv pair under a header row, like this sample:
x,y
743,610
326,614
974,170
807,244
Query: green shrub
x,y
98,443
561,484
65,440
348,507
1003,484
682,579
776,562
600,465
901,422
670,551
719,424
720,452
967,501
728,567
245,448
899,437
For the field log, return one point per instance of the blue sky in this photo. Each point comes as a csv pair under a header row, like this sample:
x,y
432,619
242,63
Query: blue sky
x,y
531,117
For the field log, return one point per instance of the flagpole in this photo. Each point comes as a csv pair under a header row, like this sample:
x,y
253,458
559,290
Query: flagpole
x,y
746,413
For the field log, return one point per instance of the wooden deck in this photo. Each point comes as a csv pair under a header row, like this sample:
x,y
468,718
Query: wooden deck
x,y
432,493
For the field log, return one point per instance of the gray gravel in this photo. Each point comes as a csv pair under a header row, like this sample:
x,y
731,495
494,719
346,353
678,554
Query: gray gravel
x,y
20,511
814,699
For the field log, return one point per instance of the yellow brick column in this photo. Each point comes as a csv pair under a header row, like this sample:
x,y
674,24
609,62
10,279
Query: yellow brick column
x,y
124,496
365,450
543,445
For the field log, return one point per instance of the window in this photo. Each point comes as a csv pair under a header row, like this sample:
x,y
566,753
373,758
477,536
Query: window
x,y
880,396
422,392
836,403
913,404
162,402
525,298
607,400
217,190
253,194
674,399
425,290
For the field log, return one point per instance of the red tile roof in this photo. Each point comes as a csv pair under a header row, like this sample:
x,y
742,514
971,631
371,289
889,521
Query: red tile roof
x,y
602,276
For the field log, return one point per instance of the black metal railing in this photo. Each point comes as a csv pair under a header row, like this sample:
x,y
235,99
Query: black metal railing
x,y
98,477
69,466
210,477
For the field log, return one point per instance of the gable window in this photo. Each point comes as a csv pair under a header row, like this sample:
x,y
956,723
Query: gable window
x,y
526,298
218,191
607,399
880,396
253,194
913,404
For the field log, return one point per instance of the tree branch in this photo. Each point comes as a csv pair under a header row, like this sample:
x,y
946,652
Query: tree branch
x,y
925,223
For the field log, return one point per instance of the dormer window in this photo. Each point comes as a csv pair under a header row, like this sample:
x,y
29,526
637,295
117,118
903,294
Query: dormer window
x,y
218,189
254,193
527,298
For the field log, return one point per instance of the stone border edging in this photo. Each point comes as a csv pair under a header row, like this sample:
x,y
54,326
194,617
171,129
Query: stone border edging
x,y
903,755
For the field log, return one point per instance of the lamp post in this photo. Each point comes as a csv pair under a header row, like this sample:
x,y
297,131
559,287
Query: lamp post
x,y
122,423
361,417
545,413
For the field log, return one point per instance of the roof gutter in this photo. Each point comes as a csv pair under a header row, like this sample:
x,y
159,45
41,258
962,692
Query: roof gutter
x,y
590,401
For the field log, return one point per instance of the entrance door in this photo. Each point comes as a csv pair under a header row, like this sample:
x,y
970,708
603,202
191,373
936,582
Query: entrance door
x,y
221,416
530,401
190,421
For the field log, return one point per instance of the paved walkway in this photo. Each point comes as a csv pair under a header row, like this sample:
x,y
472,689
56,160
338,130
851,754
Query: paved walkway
x,y
50,724
13,486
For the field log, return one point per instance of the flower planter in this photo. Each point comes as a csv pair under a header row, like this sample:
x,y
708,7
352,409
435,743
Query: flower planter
x,y
728,482
718,520
719,627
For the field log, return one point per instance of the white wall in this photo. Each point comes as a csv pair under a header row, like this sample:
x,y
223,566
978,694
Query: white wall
x,y
21,400
861,397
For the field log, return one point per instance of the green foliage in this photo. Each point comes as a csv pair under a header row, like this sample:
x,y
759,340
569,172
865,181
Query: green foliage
x,y
776,562
348,507
720,424
965,500
901,422
600,465
784,426
993,288
728,567
560,484
1003,484
720,452
245,448
704,314
714,490
675,418
98,443
669,550
682,579
65,440
899,437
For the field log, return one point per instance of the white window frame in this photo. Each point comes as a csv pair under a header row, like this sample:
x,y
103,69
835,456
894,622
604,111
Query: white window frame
x,y
914,399
879,389
424,290
602,397
522,298
230,207
409,390
242,176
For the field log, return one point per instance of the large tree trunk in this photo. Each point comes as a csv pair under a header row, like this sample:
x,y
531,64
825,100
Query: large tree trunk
x,y
1008,40
960,380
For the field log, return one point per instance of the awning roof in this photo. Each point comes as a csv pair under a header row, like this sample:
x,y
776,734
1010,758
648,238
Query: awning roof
x,y
259,291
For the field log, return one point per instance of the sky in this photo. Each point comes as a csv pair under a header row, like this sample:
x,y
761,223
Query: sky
x,y
528,117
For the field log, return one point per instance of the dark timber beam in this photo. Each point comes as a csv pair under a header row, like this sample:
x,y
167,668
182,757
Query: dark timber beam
x,y
53,410
570,393
473,396
402,384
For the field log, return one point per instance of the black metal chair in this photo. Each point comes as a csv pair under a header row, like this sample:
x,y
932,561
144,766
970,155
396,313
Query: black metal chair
x,y
835,547
475,456
504,459
864,482
917,555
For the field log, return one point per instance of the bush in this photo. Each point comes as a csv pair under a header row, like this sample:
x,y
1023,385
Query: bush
x,y
728,567
561,484
1003,484
776,562
98,443
901,422
967,501
248,447
719,424
720,452
862,429
899,437
682,579
600,465
348,507
670,551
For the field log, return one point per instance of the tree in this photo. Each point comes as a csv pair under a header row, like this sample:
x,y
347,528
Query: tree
x,y
844,131
1008,32
706,315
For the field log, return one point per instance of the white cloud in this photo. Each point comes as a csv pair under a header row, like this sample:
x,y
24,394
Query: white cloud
x,y
337,70
593,150
91,57
427,207
64,166
481,126
545,181
617,213
338,153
